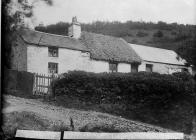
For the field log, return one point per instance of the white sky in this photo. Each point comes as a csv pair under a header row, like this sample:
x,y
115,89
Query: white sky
x,y
180,11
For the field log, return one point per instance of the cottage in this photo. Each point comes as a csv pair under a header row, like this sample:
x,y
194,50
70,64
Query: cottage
x,y
45,53
160,60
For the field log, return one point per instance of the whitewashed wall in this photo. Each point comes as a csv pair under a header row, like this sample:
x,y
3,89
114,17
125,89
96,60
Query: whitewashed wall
x,y
37,61
68,60
123,67
161,68
99,66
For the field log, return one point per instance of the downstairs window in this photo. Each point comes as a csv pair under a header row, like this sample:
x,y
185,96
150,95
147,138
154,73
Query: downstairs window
x,y
134,68
113,67
52,67
149,67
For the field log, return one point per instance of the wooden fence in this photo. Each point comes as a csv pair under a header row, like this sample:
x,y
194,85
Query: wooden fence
x,y
42,84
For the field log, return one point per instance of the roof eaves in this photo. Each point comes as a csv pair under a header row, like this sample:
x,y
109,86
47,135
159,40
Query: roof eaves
x,y
38,44
165,63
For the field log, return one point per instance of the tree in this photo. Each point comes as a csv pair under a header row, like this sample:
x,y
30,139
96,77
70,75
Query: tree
x,y
141,34
61,28
158,34
13,14
187,50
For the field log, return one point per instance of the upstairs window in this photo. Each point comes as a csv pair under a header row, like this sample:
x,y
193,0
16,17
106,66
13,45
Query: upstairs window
x,y
52,52
149,67
113,67
134,68
52,67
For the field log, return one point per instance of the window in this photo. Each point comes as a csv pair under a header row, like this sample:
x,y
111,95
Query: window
x,y
85,54
52,67
113,67
134,68
52,52
184,70
149,67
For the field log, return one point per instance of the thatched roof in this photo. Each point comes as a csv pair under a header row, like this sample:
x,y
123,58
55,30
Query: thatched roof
x,y
103,47
45,39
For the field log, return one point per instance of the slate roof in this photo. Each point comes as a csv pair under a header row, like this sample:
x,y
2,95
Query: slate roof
x,y
153,54
101,47
45,39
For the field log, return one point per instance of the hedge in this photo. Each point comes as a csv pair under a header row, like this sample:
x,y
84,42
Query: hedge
x,y
166,100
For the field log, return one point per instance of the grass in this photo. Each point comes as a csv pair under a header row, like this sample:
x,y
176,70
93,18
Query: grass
x,y
75,103
86,121
29,121
21,94
101,128
121,111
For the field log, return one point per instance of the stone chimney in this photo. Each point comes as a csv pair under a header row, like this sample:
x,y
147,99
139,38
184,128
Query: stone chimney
x,y
75,29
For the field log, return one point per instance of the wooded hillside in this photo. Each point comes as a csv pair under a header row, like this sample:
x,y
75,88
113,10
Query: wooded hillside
x,y
178,37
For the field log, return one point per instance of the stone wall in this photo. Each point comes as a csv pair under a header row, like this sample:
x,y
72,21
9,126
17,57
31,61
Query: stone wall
x,y
19,55
18,80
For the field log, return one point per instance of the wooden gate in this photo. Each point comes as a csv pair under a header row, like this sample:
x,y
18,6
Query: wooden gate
x,y
42,84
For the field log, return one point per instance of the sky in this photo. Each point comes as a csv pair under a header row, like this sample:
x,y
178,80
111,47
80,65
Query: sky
x,y
87,11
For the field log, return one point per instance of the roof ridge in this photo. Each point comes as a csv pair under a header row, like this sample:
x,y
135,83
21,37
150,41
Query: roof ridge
x,y
49,33
101,34
152,47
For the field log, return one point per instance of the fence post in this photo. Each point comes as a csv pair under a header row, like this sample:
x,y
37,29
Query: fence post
x,y
52,86
34,83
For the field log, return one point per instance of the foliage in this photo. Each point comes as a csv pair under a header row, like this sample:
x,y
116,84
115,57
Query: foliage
x,y
60,28
26,120
13,15
187,49
158,34
148,97
182,36
141,34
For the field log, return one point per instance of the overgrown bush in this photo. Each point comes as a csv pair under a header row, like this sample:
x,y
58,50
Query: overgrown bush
x,y
164,100
182,36
158,34
141,34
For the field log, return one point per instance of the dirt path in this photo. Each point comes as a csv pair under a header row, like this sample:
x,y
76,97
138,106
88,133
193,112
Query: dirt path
x,y
80,118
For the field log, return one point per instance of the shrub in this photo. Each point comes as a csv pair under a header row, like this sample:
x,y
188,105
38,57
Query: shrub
x,y
149,97
158,34
134,41
141,34
173,33
182,36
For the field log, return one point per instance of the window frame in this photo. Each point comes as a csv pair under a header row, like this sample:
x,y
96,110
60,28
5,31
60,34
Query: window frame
x,y
149,66
51,52
111,67
184,70
55,67
133,66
